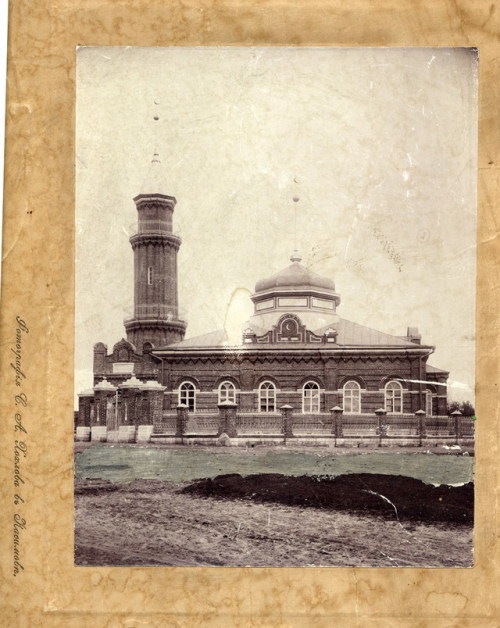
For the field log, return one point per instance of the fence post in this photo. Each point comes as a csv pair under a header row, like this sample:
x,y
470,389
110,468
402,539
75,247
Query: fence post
x,y
422,432
182,415
101,421
287,425
85,399
382,427
337,428
227,419
457,425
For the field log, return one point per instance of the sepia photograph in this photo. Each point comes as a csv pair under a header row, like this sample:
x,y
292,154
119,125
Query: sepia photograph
x,y
275,306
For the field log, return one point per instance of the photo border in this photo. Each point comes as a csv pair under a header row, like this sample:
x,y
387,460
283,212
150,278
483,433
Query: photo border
x,y
38,286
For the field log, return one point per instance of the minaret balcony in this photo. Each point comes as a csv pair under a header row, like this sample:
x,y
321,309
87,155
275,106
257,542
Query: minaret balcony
x,y
154,311
162,227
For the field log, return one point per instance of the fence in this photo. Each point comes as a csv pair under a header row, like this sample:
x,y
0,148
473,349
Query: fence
x,y
202,424
402,425
334,425
257,424
318,424
359,425
440,426
168,424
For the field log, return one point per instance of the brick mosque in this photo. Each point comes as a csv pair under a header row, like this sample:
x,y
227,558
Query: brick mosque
x,y
296,352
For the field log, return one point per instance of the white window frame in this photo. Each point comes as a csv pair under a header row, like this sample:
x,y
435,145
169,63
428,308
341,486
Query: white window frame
x,y
227,392
267,397
184,399
392,391
311,398
351,397
429,397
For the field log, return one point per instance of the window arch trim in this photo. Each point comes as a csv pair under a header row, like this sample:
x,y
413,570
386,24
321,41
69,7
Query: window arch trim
x,y
351,378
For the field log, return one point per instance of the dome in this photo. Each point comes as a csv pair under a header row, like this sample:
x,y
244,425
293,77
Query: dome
x,y
295,275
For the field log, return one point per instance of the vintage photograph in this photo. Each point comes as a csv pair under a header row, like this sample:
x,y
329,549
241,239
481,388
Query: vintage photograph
x,y
275,306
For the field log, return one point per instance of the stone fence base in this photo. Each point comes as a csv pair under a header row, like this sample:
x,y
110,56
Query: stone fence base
x,y
99,433
267,440
82,433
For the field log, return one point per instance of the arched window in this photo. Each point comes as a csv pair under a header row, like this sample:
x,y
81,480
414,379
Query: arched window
x,y
352,397
310,397
267,397
187,396
393,398
227,392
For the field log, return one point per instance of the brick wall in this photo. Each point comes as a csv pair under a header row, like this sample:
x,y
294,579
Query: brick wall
x,y
289,377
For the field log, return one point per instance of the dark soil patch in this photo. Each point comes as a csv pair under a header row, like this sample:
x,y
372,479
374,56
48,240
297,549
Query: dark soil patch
x,y
95,487
390,496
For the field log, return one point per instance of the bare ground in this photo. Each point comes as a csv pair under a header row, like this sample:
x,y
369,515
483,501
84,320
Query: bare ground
x,y
148,522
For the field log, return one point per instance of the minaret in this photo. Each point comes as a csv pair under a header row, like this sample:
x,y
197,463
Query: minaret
x,y
155,322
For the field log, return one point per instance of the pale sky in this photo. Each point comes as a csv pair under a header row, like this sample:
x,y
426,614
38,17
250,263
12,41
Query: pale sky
x,y
379,145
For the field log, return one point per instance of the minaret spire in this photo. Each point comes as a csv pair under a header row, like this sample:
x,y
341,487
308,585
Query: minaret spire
x,y
155,177
295,257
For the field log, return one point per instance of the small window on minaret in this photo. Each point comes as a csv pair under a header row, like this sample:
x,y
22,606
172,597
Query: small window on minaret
x,y
150,275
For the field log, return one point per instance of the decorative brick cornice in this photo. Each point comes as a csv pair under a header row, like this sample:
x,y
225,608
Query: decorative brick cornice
x,y
162,239
154,323
153,200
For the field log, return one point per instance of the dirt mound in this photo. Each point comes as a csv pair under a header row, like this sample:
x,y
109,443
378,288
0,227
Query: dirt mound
x,y
390,496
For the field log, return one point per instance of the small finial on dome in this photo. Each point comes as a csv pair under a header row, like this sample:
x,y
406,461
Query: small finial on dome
x,y
295,256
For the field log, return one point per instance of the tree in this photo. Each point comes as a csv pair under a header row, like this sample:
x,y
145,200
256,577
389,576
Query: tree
x,y
465,407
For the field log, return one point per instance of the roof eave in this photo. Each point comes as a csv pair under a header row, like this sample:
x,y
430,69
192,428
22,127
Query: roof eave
x,y
323,348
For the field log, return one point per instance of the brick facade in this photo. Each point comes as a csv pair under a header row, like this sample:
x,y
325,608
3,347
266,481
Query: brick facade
x,y
294,338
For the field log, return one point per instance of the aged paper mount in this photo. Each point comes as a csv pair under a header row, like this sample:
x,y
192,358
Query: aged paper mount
x,y
38,288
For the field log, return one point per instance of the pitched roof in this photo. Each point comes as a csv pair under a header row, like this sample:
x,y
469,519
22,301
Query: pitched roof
x,y
216,338
353,334
349,335
433,369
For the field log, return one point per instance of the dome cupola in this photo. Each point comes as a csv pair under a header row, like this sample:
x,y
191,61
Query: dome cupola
x,y
296,290
296,277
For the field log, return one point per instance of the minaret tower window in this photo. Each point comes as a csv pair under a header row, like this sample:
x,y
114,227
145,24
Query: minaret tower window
x,y
150,275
